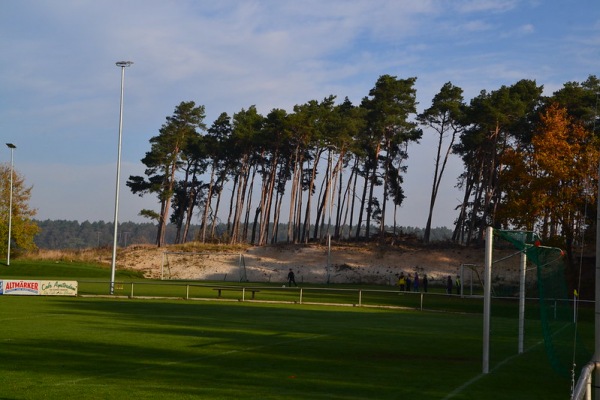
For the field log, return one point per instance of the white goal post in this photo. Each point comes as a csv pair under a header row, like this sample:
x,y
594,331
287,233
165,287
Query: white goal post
x,y
470,278
202,265
487,296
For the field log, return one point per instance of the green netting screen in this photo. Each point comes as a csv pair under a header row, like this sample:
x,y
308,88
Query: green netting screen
x,y
557,311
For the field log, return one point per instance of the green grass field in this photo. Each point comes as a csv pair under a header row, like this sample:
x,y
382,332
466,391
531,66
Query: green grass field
x,y
119,348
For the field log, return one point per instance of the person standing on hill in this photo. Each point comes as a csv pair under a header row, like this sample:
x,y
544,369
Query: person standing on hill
x,y
425,283
291,278
449,285
457,284
402,281
416,282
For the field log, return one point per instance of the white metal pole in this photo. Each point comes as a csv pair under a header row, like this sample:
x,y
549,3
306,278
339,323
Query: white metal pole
x,y
522,274
487,289
596,358
12,147
122,65
588,392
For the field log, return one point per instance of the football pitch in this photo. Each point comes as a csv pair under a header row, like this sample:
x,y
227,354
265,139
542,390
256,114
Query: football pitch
x,y
109,348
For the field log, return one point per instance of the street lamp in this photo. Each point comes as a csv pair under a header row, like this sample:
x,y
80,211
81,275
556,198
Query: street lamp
x,y
122,65
12,147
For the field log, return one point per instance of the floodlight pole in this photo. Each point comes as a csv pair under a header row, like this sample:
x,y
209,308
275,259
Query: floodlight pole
x,y
122,65
12,147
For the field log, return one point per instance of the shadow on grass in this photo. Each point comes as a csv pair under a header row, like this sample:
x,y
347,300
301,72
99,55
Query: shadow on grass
x,y
108,348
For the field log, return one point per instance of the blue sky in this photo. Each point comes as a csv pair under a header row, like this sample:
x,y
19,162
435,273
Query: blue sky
x,y
60,88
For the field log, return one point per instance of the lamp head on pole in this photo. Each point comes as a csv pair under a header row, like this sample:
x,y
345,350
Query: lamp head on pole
x,y
11,146
123,64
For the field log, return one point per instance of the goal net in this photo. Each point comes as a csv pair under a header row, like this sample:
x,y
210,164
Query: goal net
x,y
505,276
203,266
557,304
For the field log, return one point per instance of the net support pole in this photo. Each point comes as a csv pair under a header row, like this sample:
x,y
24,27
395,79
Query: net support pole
x,y
522,275
487,297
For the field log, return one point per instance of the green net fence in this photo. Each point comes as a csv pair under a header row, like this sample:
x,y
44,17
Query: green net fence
x,y
558,308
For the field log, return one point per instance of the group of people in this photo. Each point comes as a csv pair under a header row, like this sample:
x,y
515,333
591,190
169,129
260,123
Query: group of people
x,y
408,283
449,284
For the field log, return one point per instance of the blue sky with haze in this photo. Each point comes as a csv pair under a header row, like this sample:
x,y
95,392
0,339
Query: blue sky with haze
x,y
60,87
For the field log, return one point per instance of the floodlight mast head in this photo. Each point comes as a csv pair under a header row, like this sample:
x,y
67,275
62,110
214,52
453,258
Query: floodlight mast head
x,y
11,146
123,64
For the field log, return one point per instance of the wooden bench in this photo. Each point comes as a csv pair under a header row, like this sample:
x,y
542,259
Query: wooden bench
x,y
234,289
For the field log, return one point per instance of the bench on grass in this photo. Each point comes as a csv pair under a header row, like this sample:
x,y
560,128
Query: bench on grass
x,y
235,289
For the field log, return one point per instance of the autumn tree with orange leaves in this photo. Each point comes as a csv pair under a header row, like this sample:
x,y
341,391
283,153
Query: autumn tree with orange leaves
x,y
548,181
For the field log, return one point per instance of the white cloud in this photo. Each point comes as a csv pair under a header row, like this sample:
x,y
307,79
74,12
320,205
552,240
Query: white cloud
x,y
475,26
61,86
479,6
526,29
519,31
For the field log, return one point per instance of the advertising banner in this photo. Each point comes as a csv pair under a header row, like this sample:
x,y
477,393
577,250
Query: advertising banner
x,y
36,288
58,288
21,287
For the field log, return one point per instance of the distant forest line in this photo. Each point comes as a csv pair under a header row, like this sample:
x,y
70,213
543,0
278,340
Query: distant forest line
x,y
62,234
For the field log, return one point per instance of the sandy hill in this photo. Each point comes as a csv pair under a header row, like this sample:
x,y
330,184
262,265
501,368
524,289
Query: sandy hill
x,y
356,263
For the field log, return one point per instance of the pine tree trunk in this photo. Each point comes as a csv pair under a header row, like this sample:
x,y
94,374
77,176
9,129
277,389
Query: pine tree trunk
x,y
362,203
208,202
246,224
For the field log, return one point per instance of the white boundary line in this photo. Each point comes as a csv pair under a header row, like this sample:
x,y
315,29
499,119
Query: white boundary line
x,y
478,377
501,364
